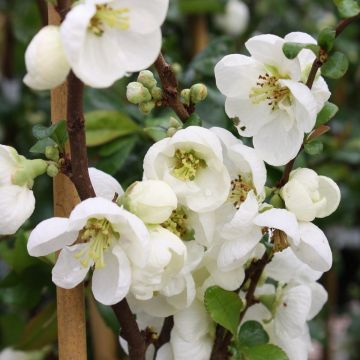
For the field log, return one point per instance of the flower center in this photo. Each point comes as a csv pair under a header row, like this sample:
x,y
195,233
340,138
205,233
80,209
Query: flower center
x,y
99,235
113,18
269,89
239,190
187,164
178,224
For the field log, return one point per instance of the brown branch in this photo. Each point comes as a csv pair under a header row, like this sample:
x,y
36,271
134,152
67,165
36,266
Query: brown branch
x,y
130,330
170,88
164,336
77,139
43,10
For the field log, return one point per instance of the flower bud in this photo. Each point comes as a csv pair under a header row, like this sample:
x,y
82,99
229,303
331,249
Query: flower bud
x,y
151,200
176,68
146,107
277,202
175,123
309,195
137,93
156,93
198,92
171,131
46,63
146,77
52,153
52,170
185,96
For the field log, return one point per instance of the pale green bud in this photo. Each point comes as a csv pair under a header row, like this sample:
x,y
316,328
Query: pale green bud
x,y
198,92
146,77
176,68
52,170
52,153
146,107
175,123
28,171
185,96
156,93
137,93
277,202
171,131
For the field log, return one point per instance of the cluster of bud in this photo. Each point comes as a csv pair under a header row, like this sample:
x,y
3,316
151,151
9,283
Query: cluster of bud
x,y
144,92
175,125
197,93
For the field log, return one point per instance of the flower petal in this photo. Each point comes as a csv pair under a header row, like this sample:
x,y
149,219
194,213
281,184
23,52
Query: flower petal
x,y
111,283
236,75
68,271
275,144
291,315
104,185
49,236
139,50
282,220
319,297
329,190
17,203
8,165
313,249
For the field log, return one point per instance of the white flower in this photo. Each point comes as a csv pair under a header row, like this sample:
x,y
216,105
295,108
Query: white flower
x,y
45,60
193,333
152,201
105,39
167,257
235,19
17,201
104,185
309,195
265,93
11,354
191,162
178,292
112,241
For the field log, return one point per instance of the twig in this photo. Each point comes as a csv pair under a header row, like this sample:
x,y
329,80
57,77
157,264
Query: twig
x,y
170,88
164,336
130,330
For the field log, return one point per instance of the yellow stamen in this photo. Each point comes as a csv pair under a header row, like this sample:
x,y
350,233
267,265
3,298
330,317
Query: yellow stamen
x,y
187,164
239,190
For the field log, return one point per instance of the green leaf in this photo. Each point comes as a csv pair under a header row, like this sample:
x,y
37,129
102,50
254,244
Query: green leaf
x,y
103,126
347,8
201,6
56,132
193,120
40,146
252,333
326,39
265,352
224,307
40,331
314,147
292,49
21,258
335,66
112,164
109,317
327,113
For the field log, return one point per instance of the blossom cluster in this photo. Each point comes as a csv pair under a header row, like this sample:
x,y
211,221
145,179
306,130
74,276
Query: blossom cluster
x,y
204,211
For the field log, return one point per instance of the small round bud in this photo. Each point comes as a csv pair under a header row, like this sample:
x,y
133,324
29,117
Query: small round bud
x,y
52,153
175,123
171,131
156,93
176,68
146,77
198,92
185,96
152,201
146,107
136,93
277,202
52,170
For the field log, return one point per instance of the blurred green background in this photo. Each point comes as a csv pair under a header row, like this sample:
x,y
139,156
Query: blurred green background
x,y
119,136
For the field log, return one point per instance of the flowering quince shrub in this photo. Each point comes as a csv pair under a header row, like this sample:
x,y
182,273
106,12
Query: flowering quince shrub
x,y
203,245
